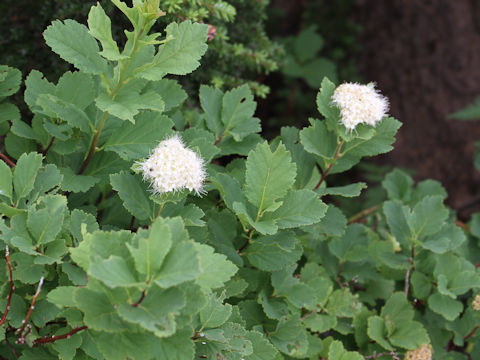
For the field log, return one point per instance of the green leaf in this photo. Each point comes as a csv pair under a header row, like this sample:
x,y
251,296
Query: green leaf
x,y
25,174
318,140
132,191
216,269
325,106
352,190
62,296
396,219
246,217
290,337
10,79
238,108
214,314
471,112
76,183
338,352
9,112
99,313
320,322
299,208
76,88
342,303
211,100
36,85
180,55
377,332
45,222
135,141
268,176
129,100
170,90
178,346
445,306
113,272
128,345
69,112
411,336
5,180
100,28
262,348
72,42
398,185
276,252
149,252
448,238
353,246
180,265
156,313
427,217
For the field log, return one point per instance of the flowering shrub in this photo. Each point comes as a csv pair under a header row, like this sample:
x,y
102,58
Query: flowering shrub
x,y
98,265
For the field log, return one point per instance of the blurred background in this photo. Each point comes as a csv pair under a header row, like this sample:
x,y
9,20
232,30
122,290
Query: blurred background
x,y
424,55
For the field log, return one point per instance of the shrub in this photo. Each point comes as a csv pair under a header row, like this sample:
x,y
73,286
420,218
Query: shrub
x,y
100,266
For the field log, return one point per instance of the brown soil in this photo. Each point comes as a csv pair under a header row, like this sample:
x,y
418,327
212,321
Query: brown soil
x,y
425,56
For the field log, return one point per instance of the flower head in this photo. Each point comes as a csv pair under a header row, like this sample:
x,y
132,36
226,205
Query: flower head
x,y
424,352
476,303
359,104
174,167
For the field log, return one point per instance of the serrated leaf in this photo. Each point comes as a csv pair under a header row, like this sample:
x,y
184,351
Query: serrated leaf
x,y
62,296
132,191
448,238
427,217
9,112
216,269
135,141
25,174
211,100
76,183
262,348
113,272
129,100
99,312
238,108
411,336
128,345
150,251
267,227
180,54
268,177
72,42
338,352
44,223
396,218
170,90
377,332
353,246
76,88
10,79
270,253
36,85
445,306
180,265
214,314
178,346
299,208
156,313
318,140
325,106
290,337
320,322
99,25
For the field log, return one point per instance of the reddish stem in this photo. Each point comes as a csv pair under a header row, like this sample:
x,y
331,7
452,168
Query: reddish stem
x,y
7,160
471,333
12,287
325,173
139,300
44,152
54,338
32,306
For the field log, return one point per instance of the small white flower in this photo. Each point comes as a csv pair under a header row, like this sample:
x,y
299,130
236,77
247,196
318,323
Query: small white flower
x,y
174,167
360,104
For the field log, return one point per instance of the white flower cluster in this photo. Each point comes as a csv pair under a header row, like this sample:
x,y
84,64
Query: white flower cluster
x,y
424,352
174,167
360,104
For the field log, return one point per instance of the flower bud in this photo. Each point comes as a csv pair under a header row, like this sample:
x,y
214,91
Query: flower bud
x,y
359,104
174,167
476,303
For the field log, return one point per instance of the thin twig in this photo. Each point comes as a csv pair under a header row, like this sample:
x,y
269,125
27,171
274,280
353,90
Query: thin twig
x,y
306,316
7,160
44,152
53,338
12,349
471,333
12,287
393,354
325,173
407,275
139,300
362,214
249,234
32,306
